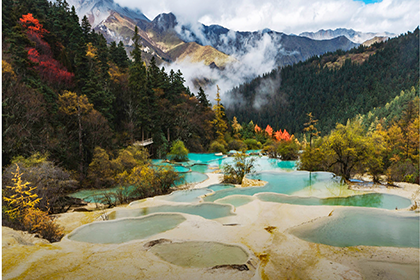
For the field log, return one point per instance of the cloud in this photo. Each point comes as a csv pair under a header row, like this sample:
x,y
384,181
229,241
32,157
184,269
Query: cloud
x,y
396,16
256,61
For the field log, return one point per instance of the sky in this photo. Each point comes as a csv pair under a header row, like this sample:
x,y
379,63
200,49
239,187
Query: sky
x,y
290,16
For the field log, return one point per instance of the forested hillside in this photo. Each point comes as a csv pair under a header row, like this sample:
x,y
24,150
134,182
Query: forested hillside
x,y
65,91
283,97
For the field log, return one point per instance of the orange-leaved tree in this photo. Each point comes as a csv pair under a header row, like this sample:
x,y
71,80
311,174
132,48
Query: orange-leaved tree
x,y
269,130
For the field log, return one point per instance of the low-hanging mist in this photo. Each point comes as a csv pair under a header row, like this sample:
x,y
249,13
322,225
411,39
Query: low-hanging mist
x,y
256,60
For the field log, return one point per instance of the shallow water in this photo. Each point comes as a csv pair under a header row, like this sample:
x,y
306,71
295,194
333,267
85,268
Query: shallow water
x,y
200,253
201,158
190,195
191,178
373,227
202,168
97,195
236,200
120,231
205,210
176,167
219,187
193,195
252,151
268,164
376,200
281,182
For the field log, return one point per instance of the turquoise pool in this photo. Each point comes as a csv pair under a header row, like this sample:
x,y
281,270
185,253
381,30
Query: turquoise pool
x,y
190,195
281,182
236,200
124,230
205,210
375,200
96,195
191,178
200,253
353,227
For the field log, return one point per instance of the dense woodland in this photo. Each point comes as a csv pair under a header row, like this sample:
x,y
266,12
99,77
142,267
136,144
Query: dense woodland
x,y
331,94
73,106
65,91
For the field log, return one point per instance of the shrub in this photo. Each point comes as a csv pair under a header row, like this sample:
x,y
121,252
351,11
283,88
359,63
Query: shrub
x,y
270,148
237,145
37,221
312,159
148,181
403,172
241,166
178,151
217,147
253,144
288,150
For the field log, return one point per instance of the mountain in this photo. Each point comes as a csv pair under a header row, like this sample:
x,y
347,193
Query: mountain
x,y
354,36
99,10
196,53
231,57
376,39
164,34
282,48
159,39
335,87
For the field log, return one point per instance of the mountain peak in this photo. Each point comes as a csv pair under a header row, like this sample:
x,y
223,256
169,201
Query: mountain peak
x,y
165,21
99,10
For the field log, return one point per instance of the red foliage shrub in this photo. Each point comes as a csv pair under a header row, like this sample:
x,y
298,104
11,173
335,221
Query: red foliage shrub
x,y
48,68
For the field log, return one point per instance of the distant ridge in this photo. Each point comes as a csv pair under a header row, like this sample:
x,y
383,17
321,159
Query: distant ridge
x,y
354,36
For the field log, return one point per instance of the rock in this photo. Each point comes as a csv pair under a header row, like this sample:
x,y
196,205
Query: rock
x,y
152,243
240,267
81,209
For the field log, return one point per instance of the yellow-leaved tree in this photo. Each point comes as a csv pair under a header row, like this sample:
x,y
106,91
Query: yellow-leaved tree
x,y
236,128
21,196
21,201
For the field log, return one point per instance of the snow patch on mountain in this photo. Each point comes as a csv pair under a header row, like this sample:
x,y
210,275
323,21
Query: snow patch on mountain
x,y
99,10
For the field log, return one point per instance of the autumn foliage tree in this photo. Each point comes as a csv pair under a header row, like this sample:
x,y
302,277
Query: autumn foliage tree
x,y
41,55
20,209
269,130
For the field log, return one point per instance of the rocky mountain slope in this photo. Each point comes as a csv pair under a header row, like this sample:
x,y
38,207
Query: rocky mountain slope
x,y
284,49
168,40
